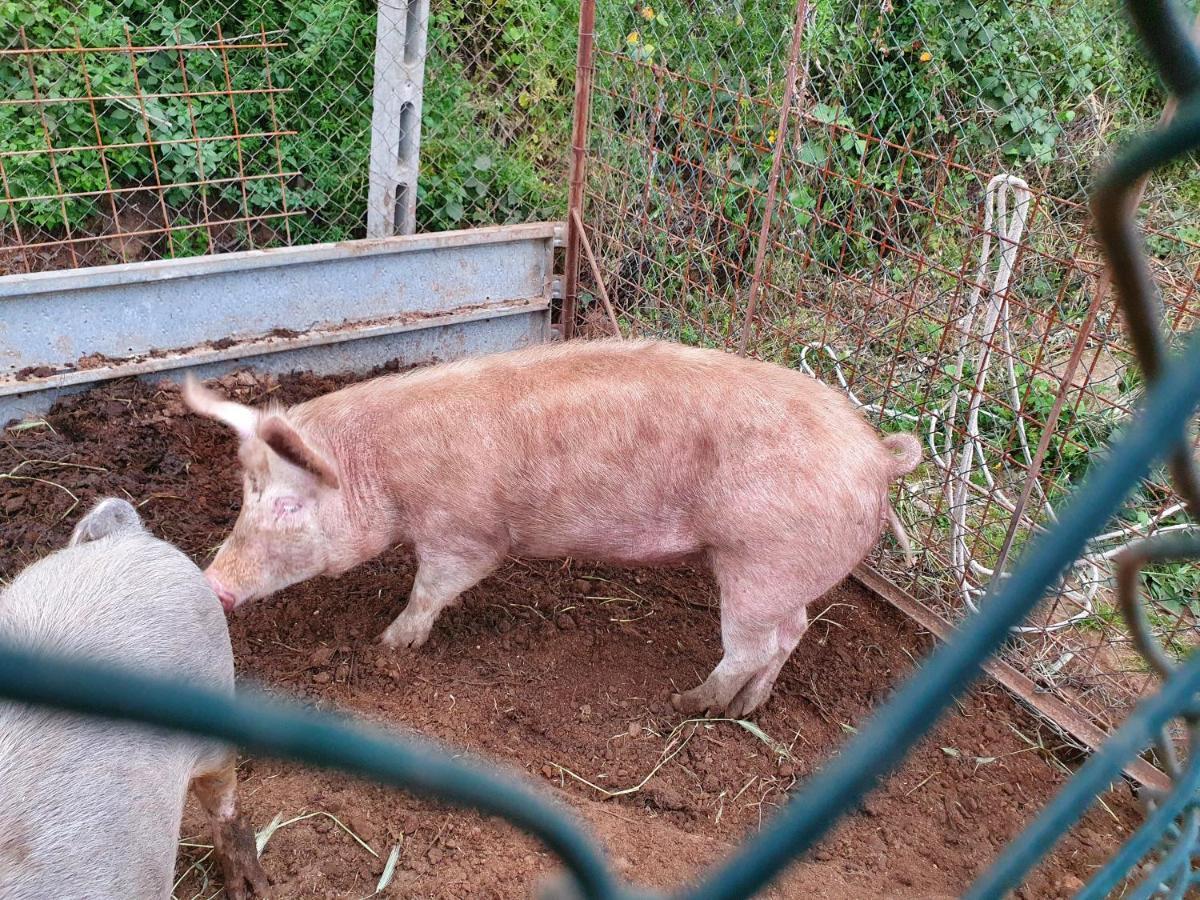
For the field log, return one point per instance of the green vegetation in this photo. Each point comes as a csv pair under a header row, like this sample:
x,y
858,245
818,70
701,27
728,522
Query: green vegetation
x,y
999,83
499,82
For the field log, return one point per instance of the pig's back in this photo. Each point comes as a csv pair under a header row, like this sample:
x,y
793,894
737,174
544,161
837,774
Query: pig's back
x,y
632,451
129,600
643,393
91,808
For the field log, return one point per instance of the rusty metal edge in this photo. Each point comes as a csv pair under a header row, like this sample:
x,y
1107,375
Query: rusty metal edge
x,y
264,346
1024,689
595,267
764,232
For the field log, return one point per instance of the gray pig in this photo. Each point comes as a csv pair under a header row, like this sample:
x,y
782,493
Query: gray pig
x,y
91,808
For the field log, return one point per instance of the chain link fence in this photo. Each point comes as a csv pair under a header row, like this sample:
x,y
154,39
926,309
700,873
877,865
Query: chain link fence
x,y
893,198
146,129
890,196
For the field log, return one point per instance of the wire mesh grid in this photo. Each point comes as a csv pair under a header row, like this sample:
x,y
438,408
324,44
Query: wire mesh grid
x,y
840,231
144,129
104,157
894,201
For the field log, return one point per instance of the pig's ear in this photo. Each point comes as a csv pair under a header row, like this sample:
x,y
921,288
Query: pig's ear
x,y
287,442
110,516
242,419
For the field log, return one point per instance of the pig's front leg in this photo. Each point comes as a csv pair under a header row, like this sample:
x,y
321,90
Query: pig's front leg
x,y
441,578
233,840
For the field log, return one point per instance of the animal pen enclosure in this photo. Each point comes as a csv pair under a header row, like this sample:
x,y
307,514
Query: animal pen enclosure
x,y
891,197
894,200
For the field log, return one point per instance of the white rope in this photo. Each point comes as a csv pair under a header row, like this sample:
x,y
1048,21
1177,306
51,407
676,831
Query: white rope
x,y
992,316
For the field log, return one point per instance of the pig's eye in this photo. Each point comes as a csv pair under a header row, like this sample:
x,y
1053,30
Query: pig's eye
x,y
286,506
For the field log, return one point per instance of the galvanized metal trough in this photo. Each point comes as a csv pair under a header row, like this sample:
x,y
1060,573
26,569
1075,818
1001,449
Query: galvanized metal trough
x,y
323,308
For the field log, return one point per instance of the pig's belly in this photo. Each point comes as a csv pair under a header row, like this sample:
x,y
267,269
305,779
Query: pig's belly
x,y
616,544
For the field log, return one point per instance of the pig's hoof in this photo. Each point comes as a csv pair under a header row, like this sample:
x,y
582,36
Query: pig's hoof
x,y
695,702
238,856
247,885
740,707
748,699
404,636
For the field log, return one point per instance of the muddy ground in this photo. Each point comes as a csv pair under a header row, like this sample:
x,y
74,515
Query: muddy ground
x,y
561,671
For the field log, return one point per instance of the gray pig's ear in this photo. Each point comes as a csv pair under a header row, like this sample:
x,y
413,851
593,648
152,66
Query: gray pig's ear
x,y
287,442
242,419
110,516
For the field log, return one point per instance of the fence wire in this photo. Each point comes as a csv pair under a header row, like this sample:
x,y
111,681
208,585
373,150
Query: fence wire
x,y
892,197
149,129
1166,841
814,184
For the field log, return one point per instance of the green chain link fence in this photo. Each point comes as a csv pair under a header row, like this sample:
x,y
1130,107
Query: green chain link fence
x,y
1169,363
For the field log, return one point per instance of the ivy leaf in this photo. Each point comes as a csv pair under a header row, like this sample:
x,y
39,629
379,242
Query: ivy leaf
x,y
824,113
813,154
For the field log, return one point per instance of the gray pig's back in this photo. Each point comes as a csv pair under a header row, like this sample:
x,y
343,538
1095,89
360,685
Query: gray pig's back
x,y
91,808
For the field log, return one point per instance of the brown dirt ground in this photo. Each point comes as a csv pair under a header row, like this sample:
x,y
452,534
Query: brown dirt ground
x,y
550,668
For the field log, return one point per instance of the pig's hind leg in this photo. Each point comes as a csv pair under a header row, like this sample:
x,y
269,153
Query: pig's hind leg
x,y
763,618
441,578
233,841
756,691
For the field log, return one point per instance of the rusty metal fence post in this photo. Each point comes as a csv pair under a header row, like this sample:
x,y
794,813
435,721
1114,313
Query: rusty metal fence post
x,y
584,70
785,110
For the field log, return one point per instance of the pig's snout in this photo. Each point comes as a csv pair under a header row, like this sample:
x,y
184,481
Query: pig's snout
x,y
229,602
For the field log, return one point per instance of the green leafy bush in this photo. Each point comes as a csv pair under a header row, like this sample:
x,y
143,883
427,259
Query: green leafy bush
x,y
1037,88
499,83
999,84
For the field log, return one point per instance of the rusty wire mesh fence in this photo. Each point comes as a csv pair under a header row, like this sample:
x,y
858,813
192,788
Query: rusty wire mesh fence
x,y
891,197
146,129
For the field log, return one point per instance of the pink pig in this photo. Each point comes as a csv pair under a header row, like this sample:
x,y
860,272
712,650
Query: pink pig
x,y
626,452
